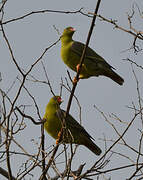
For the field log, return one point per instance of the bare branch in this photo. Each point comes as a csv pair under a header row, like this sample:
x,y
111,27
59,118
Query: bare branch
x,y
5,173
46,11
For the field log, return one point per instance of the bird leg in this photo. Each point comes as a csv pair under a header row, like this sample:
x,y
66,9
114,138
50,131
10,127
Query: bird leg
x,y
59,135
75,79
77,67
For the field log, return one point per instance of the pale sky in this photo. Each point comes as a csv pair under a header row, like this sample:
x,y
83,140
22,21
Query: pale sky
x,y
31,35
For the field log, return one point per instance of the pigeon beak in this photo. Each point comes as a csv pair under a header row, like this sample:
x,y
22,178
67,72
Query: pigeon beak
x,y
60,100
73,29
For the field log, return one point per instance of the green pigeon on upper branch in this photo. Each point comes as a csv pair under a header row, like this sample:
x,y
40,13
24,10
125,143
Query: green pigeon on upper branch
x,y
76,133
93,65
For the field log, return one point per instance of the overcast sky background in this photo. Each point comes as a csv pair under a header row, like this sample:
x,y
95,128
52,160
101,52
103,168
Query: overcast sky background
x,y
31,35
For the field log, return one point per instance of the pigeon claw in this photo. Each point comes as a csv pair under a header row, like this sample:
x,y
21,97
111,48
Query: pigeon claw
x,y
74,80
77,67
59,135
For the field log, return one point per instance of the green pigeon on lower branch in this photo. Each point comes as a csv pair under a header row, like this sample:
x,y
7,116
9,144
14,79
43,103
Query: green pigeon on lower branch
x,y
93,65
76,133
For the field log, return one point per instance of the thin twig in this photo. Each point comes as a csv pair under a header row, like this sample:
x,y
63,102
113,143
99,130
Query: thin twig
x,y
74,86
